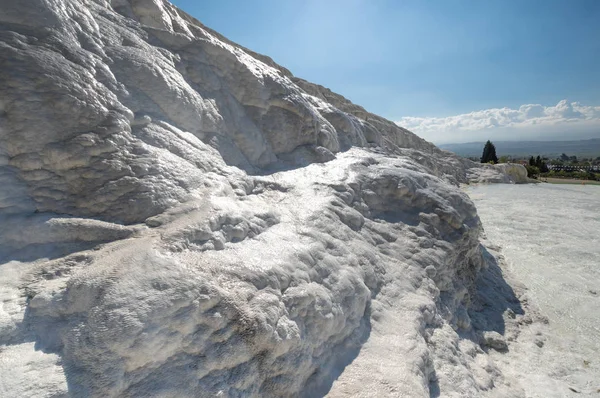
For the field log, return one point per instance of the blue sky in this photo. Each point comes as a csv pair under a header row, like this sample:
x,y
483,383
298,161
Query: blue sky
x,y
425,63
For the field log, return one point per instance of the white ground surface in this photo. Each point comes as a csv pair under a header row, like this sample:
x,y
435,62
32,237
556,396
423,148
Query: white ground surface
x,y
549,236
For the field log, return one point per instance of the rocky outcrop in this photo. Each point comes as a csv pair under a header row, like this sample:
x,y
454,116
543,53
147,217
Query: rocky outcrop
x,y
186,218
507,173
99,99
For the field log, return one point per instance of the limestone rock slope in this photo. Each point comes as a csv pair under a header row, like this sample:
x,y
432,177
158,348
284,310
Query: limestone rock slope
x,y
510,173
183,217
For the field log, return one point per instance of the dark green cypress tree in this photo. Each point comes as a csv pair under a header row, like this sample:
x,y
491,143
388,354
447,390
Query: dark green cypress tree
x,y
489,153
486,153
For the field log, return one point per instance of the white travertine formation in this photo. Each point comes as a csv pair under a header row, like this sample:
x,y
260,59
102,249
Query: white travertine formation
x,y
508,173
183,217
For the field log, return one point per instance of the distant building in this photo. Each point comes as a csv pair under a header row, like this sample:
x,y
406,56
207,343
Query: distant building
x,y
560,167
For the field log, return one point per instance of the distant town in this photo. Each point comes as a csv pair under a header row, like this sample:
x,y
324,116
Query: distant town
x,y
563,166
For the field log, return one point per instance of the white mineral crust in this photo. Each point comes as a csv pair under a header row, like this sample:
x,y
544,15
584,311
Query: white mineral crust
x,y
182,217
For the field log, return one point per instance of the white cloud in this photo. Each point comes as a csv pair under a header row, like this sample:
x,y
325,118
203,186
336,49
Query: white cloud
x,y
564,121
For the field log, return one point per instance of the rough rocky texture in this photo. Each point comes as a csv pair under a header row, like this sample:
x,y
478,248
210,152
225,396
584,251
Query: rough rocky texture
x,y
183,217
508,173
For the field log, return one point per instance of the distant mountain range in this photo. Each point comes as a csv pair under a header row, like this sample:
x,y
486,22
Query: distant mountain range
x,y
580,148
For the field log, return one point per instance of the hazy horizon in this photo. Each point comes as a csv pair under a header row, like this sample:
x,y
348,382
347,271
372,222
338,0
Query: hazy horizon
x,y
579,148
483,140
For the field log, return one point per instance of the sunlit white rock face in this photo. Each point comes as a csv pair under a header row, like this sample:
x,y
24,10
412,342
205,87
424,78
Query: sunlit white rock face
x,y
499,173
183,217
